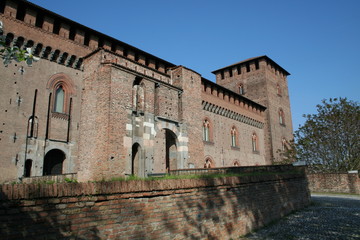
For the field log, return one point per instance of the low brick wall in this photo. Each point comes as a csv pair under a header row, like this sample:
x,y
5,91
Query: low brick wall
x,y
334,182
220,208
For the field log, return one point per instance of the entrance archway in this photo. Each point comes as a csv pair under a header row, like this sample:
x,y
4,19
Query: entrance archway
x,y
171,150
27,170
53,162
136,160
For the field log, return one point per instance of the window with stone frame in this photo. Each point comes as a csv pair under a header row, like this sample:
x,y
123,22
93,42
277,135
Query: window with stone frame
x,y
254,143
241,89
206,130
281,117
234,137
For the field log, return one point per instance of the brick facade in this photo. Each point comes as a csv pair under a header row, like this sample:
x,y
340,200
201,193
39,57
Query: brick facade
x,y
334,182
101,108
222,208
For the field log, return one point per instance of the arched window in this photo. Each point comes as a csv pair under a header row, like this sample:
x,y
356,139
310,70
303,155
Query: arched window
x,y
241,89
283,144
236,163
254,141
33,125
278,89
206,130
234,137
62,89
59,99
208,163
53,162
281,117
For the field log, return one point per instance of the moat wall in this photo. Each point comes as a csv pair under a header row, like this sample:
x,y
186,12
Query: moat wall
x,y
218,208
334,182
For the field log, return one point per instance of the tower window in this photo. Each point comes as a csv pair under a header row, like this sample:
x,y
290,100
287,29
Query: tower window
x,y
241,89
233,137
230,72
255,144
59,99
281,117
206,130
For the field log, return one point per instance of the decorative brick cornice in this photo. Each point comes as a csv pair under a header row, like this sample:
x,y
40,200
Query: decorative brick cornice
x,y
210,107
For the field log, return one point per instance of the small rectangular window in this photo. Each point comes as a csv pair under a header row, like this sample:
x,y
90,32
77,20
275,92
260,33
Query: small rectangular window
x,y
222,75
257,65
247,67
230,72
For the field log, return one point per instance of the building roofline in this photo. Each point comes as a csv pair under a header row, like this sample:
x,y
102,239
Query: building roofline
x,y
95,32
253,59
234,93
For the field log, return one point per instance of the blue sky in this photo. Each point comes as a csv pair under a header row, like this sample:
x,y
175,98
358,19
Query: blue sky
x,y
317,41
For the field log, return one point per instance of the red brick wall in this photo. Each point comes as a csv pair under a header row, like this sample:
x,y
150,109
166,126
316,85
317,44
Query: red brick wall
x,y
332,182
219,208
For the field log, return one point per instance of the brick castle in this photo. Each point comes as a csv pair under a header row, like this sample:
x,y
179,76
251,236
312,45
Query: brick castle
x,y
101,108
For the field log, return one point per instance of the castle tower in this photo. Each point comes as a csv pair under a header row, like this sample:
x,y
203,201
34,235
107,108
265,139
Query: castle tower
x,y
263,81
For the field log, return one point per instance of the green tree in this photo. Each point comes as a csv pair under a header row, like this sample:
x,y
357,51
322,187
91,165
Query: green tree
x,y
329,141
9,54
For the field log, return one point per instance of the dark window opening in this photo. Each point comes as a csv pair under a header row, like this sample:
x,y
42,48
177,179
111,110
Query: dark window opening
x,y
257,65
222,74
87,39
2,6
136,57
125,53
72,33
78,63
238,69
113,47
20,14
39,20
247,67
101,43
56,28
27,170
230,72
156,65
147,62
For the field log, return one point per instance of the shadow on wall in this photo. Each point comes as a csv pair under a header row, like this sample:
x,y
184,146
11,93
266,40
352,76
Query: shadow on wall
x,y
214,208
36,220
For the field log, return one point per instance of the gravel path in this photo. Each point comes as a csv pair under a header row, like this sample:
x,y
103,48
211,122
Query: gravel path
x,y
328,217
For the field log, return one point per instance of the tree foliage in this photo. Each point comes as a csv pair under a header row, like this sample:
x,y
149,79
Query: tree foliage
x,y
329,141
9,54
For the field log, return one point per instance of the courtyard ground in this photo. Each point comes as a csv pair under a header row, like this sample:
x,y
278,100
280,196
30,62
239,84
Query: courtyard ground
x,y
329,217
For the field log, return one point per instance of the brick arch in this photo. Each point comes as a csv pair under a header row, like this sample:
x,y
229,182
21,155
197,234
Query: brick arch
x,y
61,80
209,162
236,163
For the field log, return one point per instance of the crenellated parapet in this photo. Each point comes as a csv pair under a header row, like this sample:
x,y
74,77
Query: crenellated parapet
x,y
22,16
225,102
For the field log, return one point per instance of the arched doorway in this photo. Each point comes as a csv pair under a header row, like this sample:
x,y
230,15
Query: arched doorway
x,y
165,151
136,168
171,150
27,169
53,162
